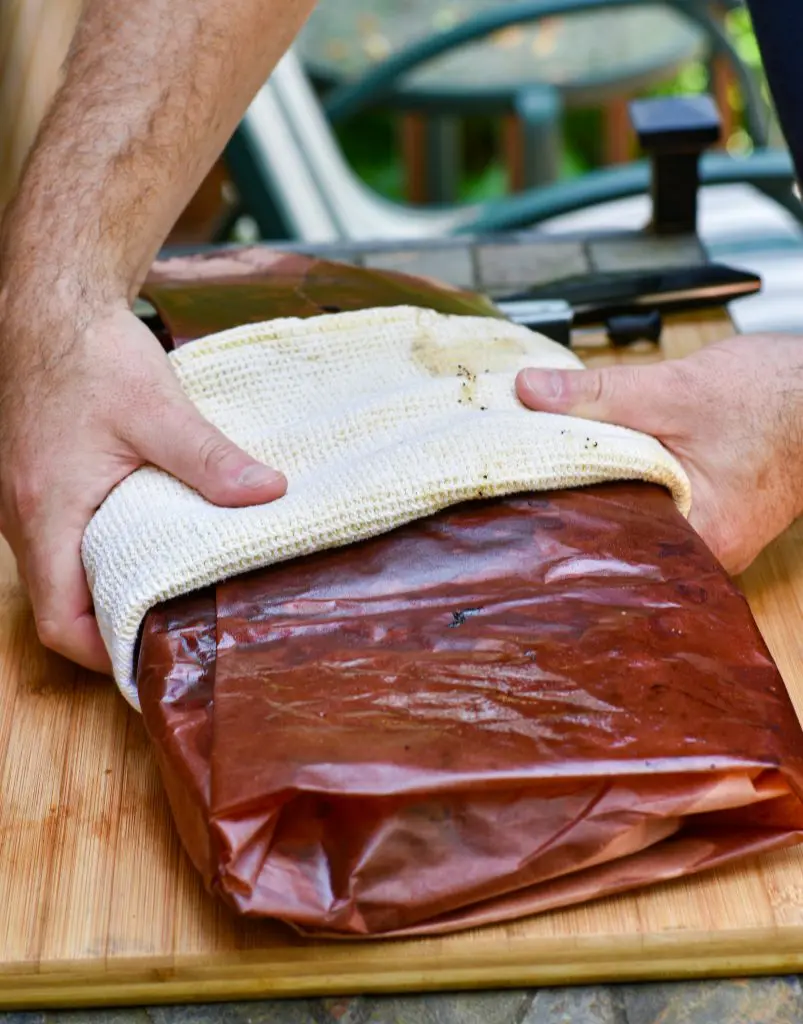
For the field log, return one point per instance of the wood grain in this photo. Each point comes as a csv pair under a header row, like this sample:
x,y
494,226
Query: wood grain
x,y
100,904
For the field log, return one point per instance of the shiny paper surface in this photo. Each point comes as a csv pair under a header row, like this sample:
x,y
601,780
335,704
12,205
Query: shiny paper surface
x,y
399,733
200,295
512,706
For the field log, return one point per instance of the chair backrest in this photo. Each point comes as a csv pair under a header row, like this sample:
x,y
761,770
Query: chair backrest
x,y
270,168
319,198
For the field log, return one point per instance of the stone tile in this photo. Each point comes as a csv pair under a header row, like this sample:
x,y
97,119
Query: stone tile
x,y
271,1011
587,1005
114,1015
642,252
510,267
443,1008
757,1001
346,1009
450,264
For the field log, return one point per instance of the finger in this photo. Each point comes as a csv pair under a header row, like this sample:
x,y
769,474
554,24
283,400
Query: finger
x,y
645,398
61,600
192,449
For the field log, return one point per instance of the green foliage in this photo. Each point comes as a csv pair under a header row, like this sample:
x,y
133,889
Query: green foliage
x,y
371,144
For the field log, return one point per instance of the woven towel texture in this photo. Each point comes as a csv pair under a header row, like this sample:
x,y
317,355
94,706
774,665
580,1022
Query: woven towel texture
x,y
378,418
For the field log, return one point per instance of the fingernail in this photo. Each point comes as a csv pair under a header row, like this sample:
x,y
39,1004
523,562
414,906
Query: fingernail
x,y
256,476
546,383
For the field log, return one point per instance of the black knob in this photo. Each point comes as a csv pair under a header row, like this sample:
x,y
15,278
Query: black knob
x,y
674,132
626,328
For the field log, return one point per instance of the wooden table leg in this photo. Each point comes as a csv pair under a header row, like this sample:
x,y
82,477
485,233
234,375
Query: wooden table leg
x,y
723,82
513,149
414,150
205,212
617,132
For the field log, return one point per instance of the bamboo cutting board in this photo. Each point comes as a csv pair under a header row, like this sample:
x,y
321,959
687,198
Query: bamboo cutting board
x,y
98,904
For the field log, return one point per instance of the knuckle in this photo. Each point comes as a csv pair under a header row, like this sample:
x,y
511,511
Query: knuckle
x,y
214,452
48,630
602,388
596,386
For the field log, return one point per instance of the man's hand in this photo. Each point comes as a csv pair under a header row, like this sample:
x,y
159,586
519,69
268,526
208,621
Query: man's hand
x,y
733,416
77,418
151,93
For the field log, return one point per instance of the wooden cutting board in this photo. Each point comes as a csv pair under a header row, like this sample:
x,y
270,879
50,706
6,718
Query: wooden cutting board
x,y
100,905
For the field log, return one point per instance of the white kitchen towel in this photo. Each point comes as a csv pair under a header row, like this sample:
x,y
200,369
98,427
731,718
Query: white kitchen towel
x,y
377,417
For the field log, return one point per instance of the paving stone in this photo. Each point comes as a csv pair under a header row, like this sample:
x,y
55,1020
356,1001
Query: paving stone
x,y
115,1015
597,1005
441,1008
451,264
508,267
446,1008
642,252
758,1001
272,1011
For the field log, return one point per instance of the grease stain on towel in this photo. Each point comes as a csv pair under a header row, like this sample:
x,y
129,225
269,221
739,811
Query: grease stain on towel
x,y
475,356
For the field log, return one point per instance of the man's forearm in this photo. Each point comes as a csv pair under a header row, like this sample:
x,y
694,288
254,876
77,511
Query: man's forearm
x,y
153,90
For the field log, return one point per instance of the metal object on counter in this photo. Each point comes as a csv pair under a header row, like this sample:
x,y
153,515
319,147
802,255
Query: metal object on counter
x,y
596,297
551,317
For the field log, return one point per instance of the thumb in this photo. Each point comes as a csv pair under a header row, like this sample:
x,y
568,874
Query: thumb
x,y
641,397
190,448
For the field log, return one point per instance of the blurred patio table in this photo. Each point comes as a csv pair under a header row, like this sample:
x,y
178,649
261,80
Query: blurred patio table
x,y
595,59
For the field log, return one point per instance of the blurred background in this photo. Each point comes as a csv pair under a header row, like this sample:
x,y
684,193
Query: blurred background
x,y
525,106
635,52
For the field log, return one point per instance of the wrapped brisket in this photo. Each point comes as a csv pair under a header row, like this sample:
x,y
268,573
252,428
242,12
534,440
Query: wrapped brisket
x,y
509,706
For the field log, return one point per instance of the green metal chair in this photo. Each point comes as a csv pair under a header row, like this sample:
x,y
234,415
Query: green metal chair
x,y
295,183
596,58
